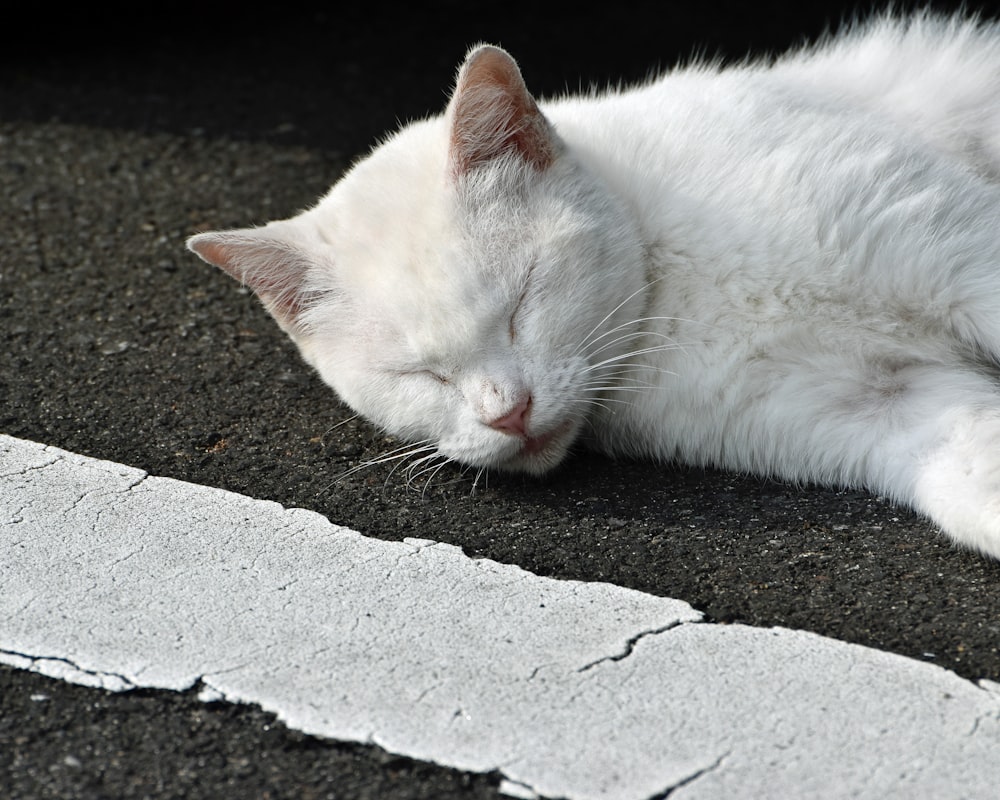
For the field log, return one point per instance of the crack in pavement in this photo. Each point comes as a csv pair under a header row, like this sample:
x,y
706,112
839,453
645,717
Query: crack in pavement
x,y
694,776
631,643
56,666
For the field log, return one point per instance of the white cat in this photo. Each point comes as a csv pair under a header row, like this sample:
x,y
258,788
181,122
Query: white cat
x,y
791,269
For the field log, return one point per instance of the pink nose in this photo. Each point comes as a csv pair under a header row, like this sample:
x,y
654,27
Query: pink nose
x,y
515,421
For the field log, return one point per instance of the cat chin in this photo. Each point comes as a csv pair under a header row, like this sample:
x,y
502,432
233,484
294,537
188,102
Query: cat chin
x,y
540,454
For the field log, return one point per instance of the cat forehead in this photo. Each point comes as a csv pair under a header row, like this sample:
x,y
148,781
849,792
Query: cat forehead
x,y
401,212
407,183
400,181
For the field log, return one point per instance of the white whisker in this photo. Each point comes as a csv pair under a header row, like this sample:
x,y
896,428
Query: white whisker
x,y
643,351
342,422
633,334
616,388
624,338
586,339
398,455
623,379
416,467
602,402
434,471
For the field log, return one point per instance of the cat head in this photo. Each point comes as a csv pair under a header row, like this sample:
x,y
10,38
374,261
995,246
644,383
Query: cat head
x,y
457,286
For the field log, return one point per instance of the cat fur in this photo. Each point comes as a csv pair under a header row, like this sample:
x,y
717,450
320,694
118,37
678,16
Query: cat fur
x,y
789,268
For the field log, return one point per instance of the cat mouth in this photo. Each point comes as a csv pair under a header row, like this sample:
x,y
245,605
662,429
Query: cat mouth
x,y
536,444
542,452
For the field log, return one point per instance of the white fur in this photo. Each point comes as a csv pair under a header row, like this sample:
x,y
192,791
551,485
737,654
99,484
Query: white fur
x,y
788,269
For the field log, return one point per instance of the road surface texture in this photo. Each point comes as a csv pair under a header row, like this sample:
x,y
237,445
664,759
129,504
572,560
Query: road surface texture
x,y
122,135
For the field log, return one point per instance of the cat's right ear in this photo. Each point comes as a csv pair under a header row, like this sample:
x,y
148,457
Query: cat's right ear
x,y
492,114
264,261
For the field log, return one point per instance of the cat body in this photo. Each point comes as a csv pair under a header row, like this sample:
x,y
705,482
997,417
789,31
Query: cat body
x,y
789,269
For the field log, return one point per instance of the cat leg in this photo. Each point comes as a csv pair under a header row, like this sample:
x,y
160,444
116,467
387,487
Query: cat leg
x,y
925,433
934,437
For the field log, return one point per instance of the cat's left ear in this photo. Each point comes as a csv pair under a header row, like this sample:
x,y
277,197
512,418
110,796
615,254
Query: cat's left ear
x,y
492,114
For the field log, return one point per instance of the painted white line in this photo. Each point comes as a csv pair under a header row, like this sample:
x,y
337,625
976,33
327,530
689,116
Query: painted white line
x,y
578,690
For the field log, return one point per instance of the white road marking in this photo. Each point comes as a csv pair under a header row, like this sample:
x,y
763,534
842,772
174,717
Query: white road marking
x,y
113,578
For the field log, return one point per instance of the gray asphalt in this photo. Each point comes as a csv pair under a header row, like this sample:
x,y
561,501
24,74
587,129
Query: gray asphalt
x,y
119,345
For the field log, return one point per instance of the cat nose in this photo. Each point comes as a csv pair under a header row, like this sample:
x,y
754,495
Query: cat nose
x,y
514,421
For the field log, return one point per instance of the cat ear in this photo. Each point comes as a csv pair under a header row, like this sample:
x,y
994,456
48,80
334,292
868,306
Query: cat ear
x,y
261,258
492,113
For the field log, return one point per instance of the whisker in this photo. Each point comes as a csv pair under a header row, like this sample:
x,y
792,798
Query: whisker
x,y
483,473
398,454
601,403
399,457
402,450
409,468
416,467
342,422
434,471
630,354
431,462
615,388
623,371
672,345
625,338
622,380
586,339
632,334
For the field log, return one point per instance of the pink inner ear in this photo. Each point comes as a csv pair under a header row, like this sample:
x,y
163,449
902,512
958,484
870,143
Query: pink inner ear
x,y
273,270
216,254
493,114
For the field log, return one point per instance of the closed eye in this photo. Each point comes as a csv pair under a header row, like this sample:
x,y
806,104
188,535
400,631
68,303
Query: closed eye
x,y
427,373
512,323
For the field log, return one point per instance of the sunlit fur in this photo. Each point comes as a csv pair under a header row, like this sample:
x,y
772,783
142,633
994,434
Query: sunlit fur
x,y
787,268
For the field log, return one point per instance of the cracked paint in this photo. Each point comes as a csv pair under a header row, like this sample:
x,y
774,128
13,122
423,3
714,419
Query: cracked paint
x,y
468,663
65,669
628,648
690,779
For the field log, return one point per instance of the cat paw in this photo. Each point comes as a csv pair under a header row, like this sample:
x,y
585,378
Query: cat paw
x,y
958,486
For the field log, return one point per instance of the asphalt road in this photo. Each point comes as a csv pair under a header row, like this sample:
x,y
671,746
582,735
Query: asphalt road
x,y
119,137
